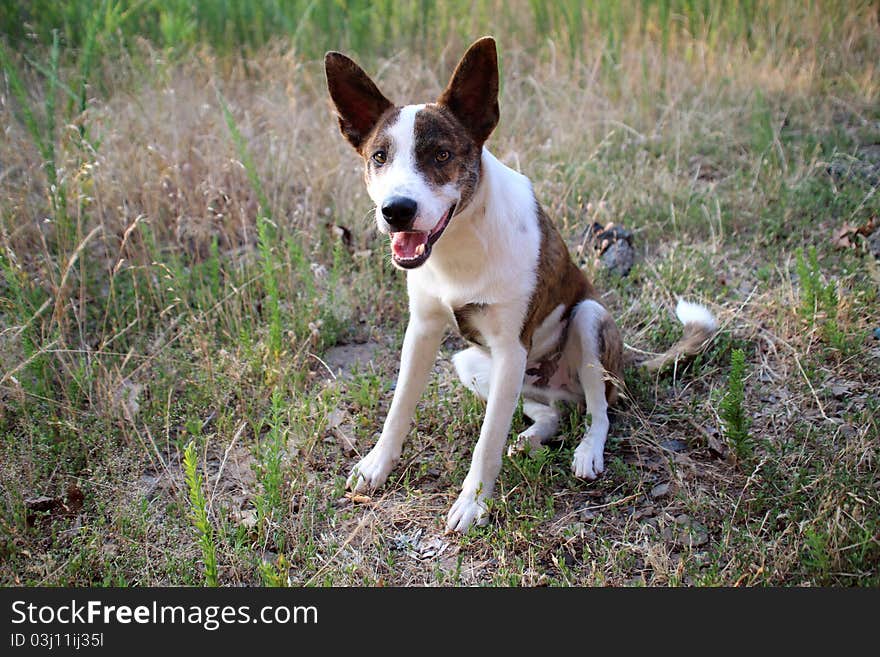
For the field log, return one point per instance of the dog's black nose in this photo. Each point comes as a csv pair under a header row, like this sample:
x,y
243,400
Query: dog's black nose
x,y
399,212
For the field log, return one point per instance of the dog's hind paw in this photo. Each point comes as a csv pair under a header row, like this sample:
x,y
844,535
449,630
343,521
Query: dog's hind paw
x,y
526,444
467,510
371,472
588,462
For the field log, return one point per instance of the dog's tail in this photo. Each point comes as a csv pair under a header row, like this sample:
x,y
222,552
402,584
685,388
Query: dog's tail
x,y
699,326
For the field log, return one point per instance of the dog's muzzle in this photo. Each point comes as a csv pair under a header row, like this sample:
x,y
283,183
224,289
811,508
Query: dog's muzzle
x,y
410,249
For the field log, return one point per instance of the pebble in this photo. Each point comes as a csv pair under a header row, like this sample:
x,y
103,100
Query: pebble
x,y
660,490
674,445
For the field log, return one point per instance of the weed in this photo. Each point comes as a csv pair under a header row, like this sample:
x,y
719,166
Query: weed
x,y
275,574
819,301
198,504
735,419
270,501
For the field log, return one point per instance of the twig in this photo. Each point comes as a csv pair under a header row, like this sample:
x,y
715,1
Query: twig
x,y
225,458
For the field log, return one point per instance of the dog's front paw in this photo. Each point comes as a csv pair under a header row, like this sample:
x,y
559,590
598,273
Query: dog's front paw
x,y
468,509
588,462
371,472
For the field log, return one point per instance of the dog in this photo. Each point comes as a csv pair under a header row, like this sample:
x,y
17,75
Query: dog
x,y
481,255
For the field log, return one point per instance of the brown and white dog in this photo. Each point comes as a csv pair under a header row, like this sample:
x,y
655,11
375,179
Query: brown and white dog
x,y
481,254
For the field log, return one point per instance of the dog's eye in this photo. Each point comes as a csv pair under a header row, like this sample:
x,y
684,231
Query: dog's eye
x,y
442,156
379,157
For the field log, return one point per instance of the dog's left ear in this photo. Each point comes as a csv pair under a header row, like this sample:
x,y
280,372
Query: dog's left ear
x,y
472,92
359,103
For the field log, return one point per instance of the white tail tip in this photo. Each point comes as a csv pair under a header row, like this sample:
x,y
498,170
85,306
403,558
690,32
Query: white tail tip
x,y
695,313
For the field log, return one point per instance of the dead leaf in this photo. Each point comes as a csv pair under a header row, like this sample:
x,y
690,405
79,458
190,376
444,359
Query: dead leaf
x,y
42,503
75,499
335,421
343,234
43,507
357,498
247,518
841,238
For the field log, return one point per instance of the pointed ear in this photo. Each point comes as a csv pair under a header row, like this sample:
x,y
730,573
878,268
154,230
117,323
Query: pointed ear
x,y
472,93
359,103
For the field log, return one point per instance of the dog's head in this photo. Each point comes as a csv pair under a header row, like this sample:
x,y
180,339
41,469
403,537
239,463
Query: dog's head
x,y
422,161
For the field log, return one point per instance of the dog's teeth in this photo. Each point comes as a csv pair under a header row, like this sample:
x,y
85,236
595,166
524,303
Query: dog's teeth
x,y
420,249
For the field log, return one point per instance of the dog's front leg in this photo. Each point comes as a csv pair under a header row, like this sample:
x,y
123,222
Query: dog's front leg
x,y
420,344
505,384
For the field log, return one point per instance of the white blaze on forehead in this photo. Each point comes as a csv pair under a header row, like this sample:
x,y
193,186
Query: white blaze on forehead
x,y
398,175
402,132
401,177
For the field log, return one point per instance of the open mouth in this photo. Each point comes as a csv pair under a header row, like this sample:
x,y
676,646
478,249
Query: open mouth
x,y
409,249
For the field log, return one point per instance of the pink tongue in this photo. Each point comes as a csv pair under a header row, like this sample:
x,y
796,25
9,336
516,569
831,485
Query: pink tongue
x,y
404,244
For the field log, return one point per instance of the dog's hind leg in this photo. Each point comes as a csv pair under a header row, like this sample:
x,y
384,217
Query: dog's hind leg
x,y
545,423
474,368
599,348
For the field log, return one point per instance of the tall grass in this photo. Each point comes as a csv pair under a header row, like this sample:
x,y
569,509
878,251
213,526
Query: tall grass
x,y
386,27
266,233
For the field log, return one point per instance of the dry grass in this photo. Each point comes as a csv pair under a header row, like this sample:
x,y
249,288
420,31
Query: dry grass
x,y
150,326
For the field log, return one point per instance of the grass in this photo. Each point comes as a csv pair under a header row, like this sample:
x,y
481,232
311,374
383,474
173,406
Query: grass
x,y
188,260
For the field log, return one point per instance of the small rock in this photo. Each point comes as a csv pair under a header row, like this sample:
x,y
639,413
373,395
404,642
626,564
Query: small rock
x,y
619,257
660,490
148,485
839,391
674,445
613,244
718,446
336,417
877,333
690,534
344,358
587,514
698,535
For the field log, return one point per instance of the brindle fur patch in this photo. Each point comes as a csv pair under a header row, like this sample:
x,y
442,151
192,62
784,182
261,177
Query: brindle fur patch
x,y
558,280
436,130
464,318
609,345
378,139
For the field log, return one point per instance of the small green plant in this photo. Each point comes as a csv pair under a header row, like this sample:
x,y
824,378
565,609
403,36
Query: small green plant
x,y
275,574
736,422
819,300
816,556
204,529
270,501
815,296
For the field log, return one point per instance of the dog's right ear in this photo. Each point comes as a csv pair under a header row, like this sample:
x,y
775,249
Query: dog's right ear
x,y
359,103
